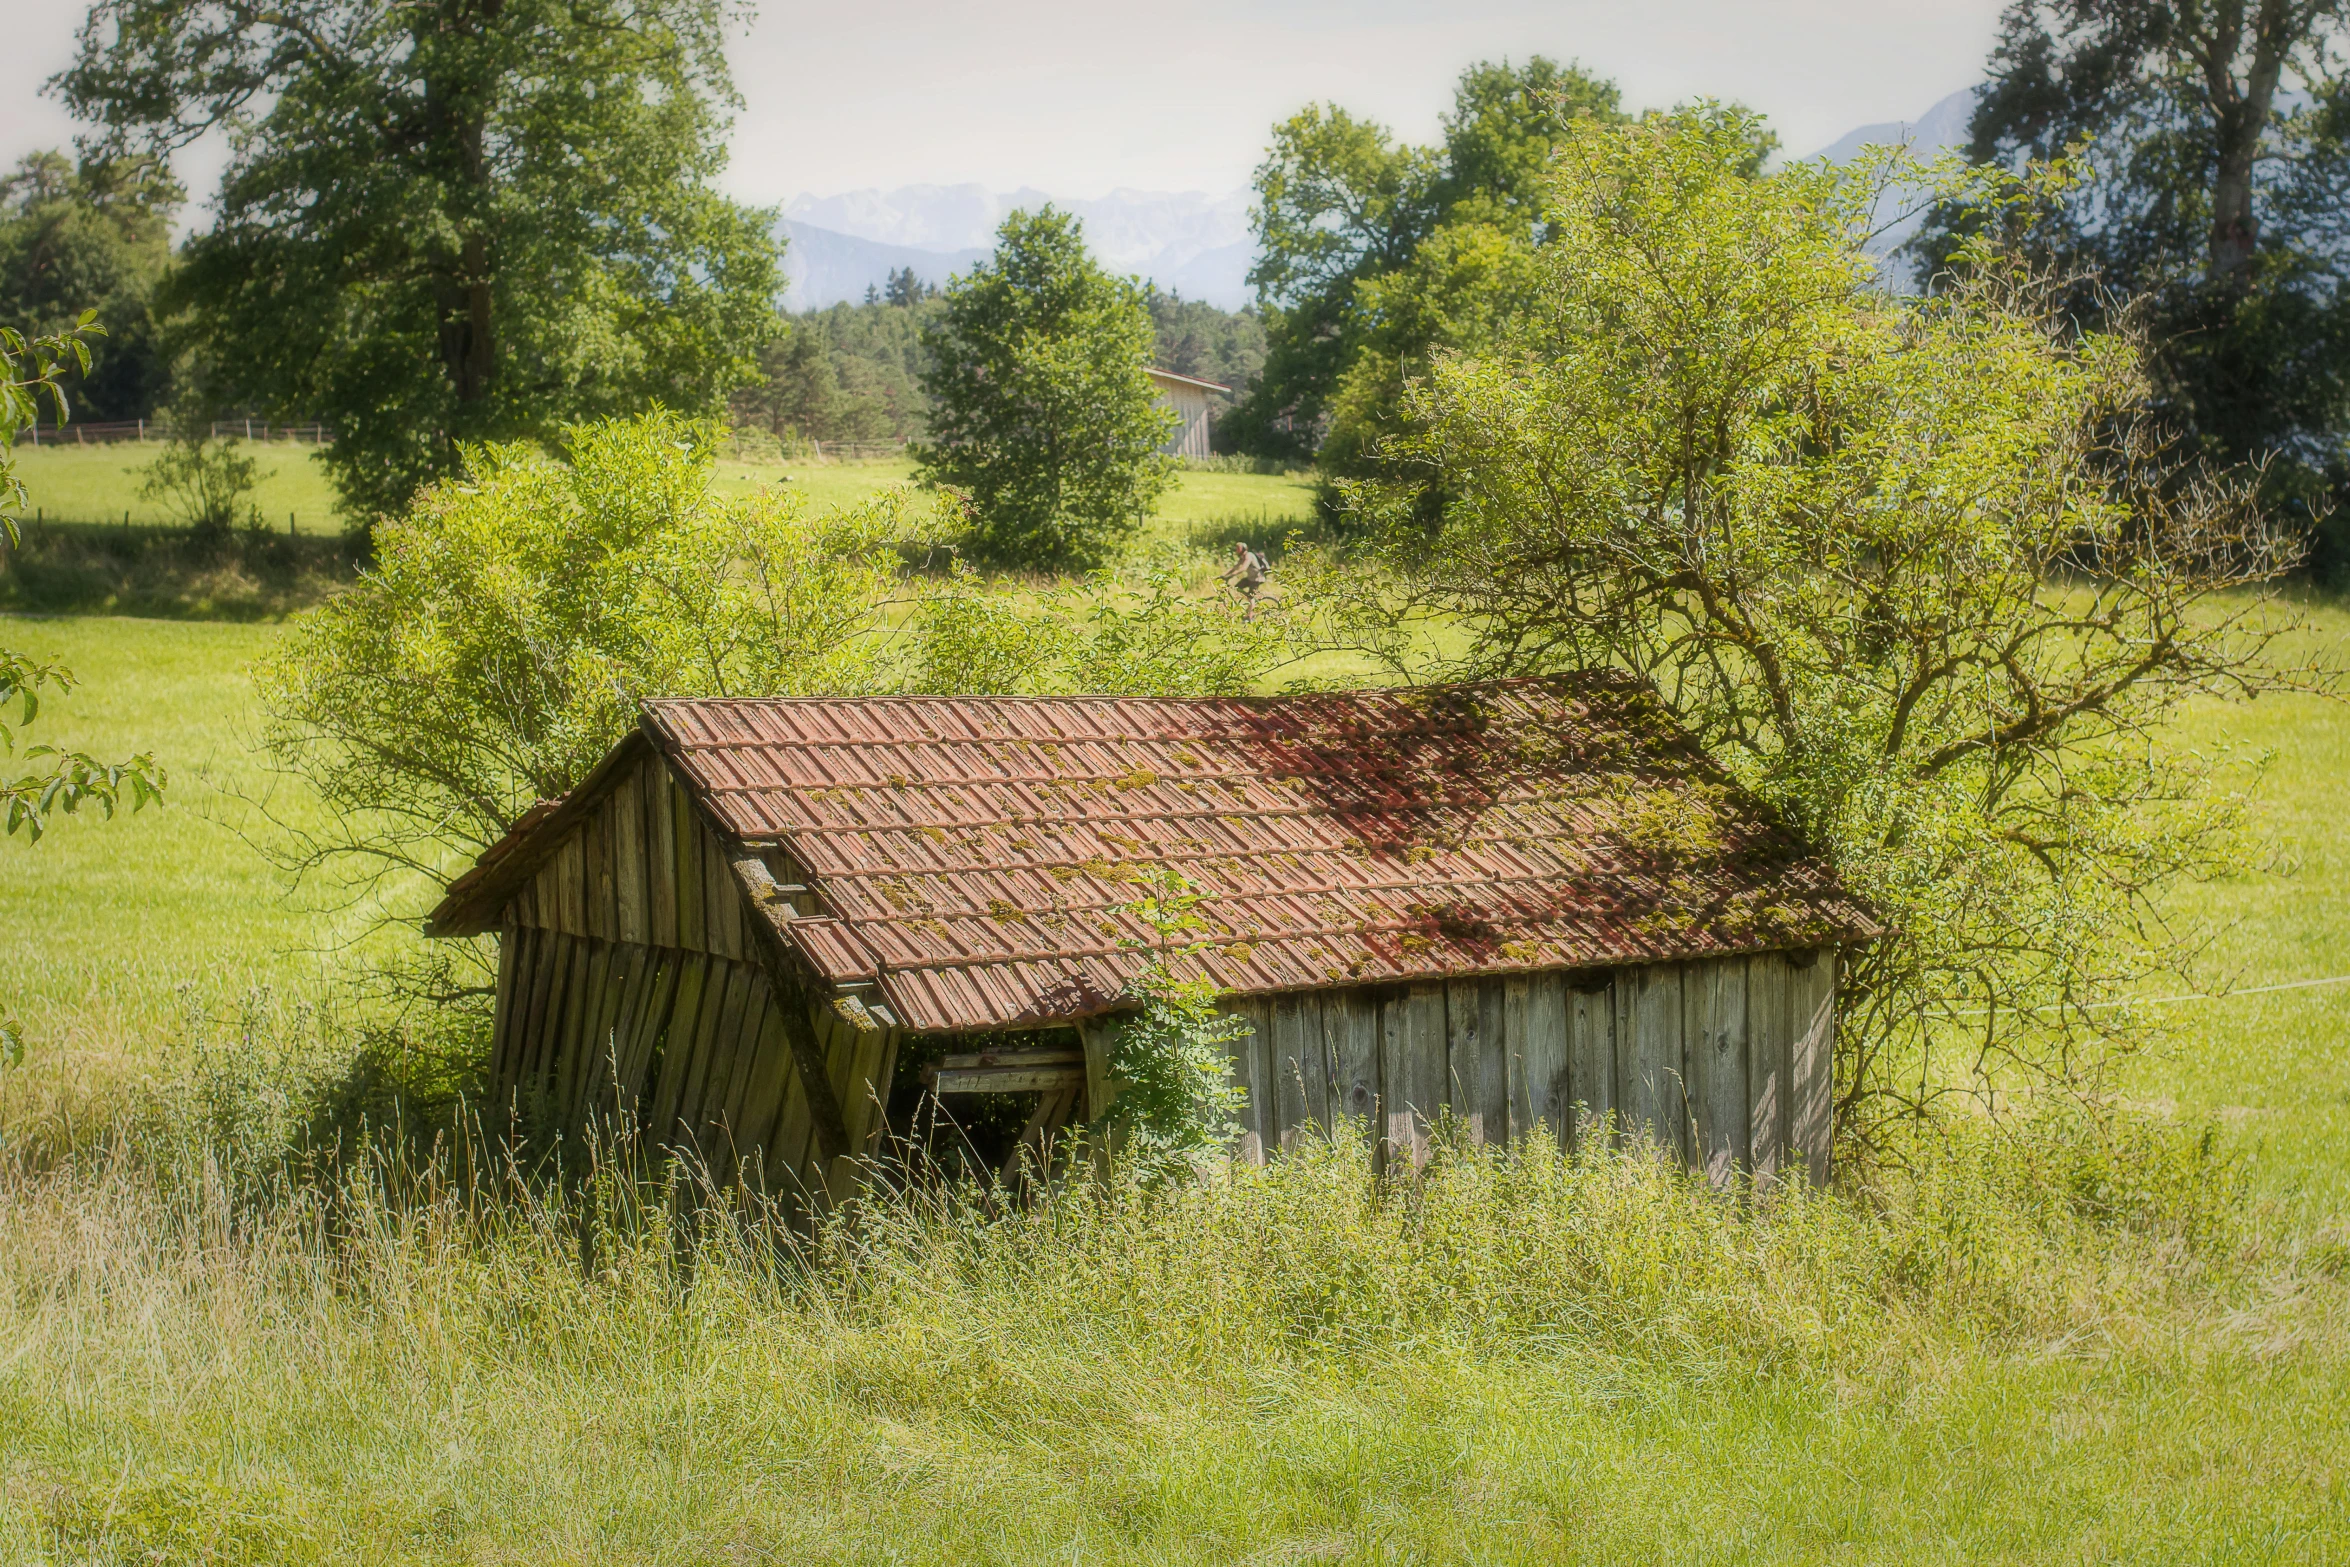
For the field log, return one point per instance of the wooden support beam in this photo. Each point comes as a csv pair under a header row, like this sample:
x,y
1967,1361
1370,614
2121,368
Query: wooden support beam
x,y
969,1074
791,1000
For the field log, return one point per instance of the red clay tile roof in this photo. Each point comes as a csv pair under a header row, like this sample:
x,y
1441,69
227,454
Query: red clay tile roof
x,y
973,853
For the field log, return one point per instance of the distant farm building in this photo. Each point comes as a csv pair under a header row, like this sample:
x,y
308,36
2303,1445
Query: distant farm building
x,y
767,928
1189,399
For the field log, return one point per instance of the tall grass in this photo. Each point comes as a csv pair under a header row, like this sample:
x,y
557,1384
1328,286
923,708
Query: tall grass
x,y
218,1345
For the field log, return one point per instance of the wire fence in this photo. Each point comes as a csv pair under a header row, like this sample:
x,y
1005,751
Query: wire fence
x,y
110,432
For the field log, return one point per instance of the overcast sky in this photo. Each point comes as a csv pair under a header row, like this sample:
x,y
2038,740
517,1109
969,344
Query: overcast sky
x,y
1077,97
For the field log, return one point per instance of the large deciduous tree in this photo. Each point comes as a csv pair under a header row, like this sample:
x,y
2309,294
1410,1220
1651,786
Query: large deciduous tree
x,y
2213,142
447,220
1373,252
1908,566
1041,411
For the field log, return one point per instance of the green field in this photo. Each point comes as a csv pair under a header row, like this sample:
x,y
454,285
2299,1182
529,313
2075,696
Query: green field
x,y
99,485
174,1394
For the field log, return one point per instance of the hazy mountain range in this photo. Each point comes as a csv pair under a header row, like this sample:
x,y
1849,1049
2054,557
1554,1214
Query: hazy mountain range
x,y
1187,242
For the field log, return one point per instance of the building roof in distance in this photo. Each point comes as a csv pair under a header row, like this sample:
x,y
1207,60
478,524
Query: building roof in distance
x,y
977,858
1156,374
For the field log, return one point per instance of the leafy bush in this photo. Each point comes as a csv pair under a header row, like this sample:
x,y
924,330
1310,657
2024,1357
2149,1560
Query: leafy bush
x,y
201,480
1170,1060
515,617
1041,412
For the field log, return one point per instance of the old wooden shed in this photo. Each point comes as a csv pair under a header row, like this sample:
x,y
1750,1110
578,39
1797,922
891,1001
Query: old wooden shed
x,y
1530,904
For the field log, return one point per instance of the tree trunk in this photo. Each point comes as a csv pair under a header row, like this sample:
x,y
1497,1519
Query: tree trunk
x,y
458,115
2240,115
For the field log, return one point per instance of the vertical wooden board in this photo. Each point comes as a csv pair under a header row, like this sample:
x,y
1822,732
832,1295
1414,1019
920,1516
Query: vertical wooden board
x,y
838,1041
1097,1034
679,1046
511,956
686,868
596,873
885,1072
1811,1066
661,853
571,884
1516,991
705,1103
1649,1040
722,899
795,1127
743,1062
607,885
628,860
1351,1033
546,1034
1589,1020
861,1111
1766,1064
1250,1053
545,907
1549,1072
660,984
586,1037
1466,1036
763,1095
865,1050
1493,1074
579,991
1714,999
1412,1068
628,984
1300,1082
731,1073
644,978
608,966
546,954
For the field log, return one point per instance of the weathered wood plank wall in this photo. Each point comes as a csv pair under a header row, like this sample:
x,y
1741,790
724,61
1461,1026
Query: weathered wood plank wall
x,y
629,991
1725,1063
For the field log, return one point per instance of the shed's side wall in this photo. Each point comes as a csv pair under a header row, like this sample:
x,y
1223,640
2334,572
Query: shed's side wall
x,y
629,993
1726,1062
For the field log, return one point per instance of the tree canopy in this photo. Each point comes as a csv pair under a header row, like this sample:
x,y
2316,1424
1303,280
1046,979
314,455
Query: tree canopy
x,y
1042,413
2212,143
92,236
447,220
1372,247
1913,568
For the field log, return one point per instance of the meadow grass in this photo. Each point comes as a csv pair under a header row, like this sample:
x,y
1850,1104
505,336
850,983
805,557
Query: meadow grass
x,y
1533,1361
98,485
1547,1363
115,928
